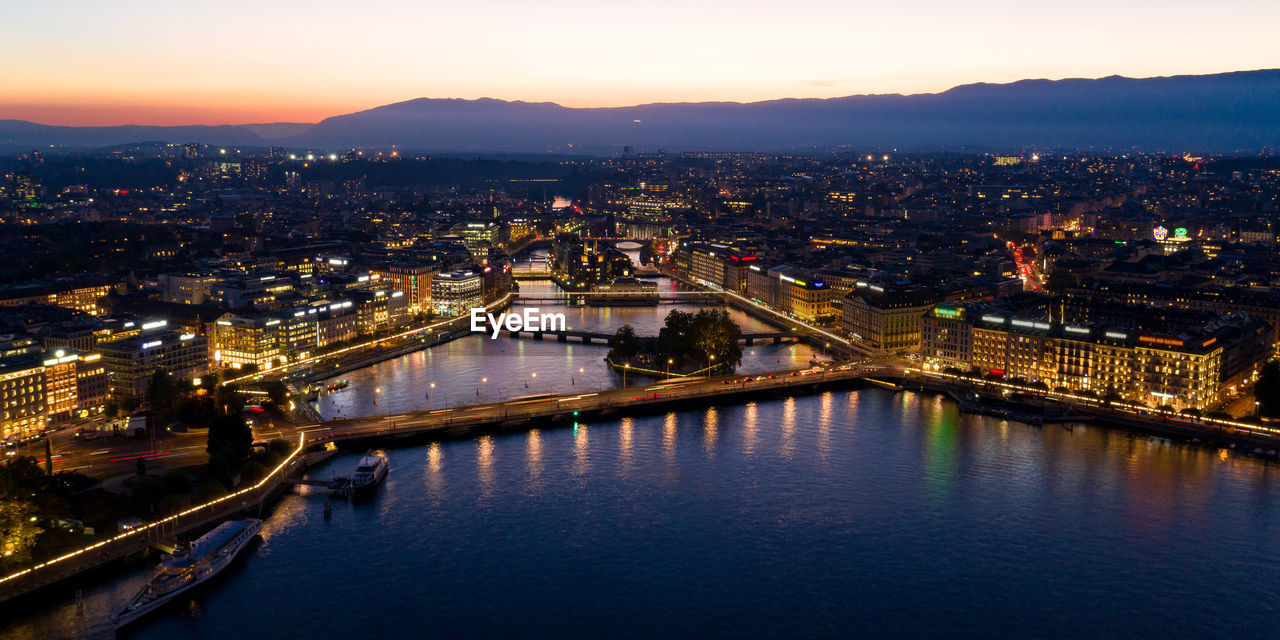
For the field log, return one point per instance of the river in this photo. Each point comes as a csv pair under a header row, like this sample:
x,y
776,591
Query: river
x,y
479,368
851,513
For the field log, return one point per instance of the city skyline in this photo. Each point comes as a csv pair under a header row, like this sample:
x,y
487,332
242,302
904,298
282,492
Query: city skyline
x,y
302,63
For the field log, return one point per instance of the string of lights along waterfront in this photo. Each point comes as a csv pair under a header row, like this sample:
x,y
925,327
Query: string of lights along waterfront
x,y
853,513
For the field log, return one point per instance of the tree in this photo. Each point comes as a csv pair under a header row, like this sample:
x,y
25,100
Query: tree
x,y
1267,390
18,532
716,334
230,434
163,393
625,344
278,393
675,338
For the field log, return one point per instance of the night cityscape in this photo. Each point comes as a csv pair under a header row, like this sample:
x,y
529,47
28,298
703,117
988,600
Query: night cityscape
x,y
806,344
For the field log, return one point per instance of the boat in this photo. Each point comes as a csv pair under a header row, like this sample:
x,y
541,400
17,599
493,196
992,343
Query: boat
x,y
370,471
189,565
342,384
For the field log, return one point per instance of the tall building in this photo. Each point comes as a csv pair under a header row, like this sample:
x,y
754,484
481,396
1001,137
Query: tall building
x,y
457,292
414,279
61,383
22,396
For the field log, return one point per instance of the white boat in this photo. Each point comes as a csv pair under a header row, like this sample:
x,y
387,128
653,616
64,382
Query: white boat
x,y
370,471
189,565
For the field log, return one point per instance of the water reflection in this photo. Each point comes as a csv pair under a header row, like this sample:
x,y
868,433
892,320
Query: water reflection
x,y
484,465
750,428
710,429
476,368
940,509
788,441
533,455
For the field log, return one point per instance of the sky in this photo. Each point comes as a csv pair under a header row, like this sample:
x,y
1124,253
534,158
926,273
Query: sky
x,y
234,62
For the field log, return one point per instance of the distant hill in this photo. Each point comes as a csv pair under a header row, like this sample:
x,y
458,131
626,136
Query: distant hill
x,y
1237,111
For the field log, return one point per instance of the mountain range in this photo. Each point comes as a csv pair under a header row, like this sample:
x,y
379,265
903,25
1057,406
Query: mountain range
x,y
1226,112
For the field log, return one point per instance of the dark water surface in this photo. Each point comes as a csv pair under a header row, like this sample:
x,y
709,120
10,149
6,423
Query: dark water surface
x,y
860,513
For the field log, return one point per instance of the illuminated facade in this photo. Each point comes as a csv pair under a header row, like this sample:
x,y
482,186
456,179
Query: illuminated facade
x,y
884,318
131,362
81,297
22,397
413,279
456,293
792,291
241,340
60,383
1189,369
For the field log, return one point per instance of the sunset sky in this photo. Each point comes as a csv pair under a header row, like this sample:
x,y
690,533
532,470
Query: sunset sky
x,y
233,61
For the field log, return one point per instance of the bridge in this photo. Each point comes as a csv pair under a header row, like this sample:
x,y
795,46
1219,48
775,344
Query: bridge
x,y
518,413
589,337
606,298
512,414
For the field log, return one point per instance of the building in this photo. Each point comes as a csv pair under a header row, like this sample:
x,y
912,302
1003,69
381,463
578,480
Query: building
x,y
73,294
886,318
457,292
187,288
414,279
130,362
792,291
720,266
249,291
1263,303
92,388
577,266
480,236
22,397
242,340
61,384
380,309
1191,367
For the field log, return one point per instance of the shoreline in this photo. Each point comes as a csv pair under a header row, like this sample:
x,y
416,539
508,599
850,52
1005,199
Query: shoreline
x,y
269,495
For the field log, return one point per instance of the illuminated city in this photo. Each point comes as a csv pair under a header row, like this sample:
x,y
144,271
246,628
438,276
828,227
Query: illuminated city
x,y
924,350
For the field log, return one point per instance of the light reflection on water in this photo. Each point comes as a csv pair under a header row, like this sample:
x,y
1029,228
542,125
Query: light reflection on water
x,y
458,368
809,516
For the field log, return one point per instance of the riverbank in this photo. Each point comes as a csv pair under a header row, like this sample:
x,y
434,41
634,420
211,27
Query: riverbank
x,y
133,543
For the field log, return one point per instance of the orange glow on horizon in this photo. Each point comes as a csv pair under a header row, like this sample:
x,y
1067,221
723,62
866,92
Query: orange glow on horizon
x,y
157,62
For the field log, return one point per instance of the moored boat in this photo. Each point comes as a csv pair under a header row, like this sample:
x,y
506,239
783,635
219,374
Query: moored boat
x,y
190,565
370,471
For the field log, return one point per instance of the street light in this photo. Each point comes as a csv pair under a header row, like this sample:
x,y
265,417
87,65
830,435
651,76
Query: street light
x,y
670,362
625,369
